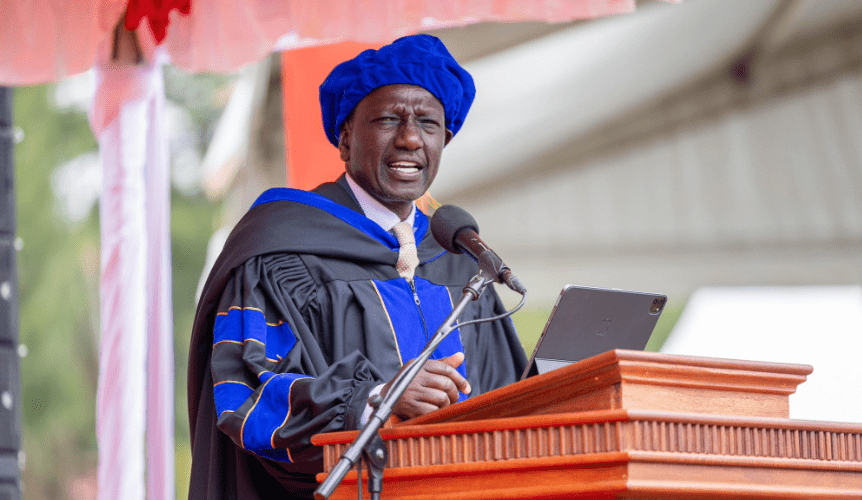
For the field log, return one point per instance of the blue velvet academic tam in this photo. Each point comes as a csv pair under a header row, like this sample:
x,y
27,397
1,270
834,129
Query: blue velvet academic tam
x,y
420,60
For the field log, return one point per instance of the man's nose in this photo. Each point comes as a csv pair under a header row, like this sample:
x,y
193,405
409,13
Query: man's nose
x,y
409,135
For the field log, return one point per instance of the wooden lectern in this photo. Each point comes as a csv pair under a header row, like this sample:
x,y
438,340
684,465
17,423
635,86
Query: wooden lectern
x,y
622,425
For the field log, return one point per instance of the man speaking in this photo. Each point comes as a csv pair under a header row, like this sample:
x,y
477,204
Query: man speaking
x,y
319,298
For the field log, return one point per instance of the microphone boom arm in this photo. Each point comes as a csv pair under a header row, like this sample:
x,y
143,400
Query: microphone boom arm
x,y
369,440
492,266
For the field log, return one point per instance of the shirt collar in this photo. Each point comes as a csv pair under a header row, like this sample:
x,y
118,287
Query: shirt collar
x,y
375,210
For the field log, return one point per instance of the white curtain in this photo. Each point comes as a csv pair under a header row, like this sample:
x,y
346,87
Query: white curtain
x,y
135,393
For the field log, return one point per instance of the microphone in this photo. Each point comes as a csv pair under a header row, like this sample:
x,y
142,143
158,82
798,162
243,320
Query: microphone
x,y
457,231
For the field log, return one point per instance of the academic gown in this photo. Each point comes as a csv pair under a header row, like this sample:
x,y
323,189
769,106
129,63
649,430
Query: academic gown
x,y
302,315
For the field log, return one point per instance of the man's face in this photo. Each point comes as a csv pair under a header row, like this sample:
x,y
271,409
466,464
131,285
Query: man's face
x,y
391,144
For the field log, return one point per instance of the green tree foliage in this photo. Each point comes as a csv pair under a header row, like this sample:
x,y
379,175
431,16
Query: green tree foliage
x,y
59,269
58,274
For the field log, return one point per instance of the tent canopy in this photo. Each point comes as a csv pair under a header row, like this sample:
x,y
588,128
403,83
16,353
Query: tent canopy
x,y
72,35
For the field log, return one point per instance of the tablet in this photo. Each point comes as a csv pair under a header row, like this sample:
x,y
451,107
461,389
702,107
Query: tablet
x,y
589,321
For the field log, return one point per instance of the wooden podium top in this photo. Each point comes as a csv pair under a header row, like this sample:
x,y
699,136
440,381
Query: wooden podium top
x,y
624,425
640,380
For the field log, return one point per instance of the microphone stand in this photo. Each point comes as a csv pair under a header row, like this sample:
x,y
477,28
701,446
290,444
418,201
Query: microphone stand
x,y
369,444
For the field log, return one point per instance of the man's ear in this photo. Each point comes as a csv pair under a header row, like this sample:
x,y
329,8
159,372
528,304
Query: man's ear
x,y
449,136
344,141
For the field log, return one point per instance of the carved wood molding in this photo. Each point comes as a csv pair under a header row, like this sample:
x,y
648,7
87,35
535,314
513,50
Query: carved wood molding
x,y
622,425
636,435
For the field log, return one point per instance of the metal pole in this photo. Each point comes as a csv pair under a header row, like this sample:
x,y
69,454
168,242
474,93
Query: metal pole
x,y
10,387
368,439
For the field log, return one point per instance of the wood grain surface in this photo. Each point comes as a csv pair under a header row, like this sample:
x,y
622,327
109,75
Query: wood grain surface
x,y
725,436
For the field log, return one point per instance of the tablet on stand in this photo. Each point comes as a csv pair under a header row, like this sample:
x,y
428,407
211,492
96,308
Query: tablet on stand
x,y
588,321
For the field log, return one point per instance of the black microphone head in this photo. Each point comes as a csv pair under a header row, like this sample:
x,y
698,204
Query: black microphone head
x,y
446,223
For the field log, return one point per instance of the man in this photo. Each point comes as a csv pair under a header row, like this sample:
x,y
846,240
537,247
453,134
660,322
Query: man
x,y
314,305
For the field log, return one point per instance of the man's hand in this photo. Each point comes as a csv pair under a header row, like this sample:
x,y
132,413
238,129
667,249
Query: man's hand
x,y
435,387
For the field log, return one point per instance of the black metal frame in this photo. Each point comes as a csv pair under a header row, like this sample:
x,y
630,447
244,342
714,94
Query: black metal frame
x,y
10,387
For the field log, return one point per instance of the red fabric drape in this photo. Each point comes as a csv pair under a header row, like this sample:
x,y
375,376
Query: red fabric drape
x,y
311,159
156,11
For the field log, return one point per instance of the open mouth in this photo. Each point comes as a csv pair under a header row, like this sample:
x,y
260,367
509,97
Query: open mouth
x,y
405,167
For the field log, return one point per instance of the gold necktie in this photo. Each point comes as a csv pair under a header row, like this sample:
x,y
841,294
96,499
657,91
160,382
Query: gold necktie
x,y
407,258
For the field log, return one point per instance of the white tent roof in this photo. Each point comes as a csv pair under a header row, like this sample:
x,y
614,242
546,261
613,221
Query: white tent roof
x,y
541,94
630,152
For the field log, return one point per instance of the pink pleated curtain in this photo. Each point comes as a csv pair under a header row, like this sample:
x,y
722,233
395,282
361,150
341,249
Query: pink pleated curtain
x,y
135,394
224,35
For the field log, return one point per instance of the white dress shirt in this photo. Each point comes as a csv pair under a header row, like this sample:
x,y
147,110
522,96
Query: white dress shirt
x,y
375,210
